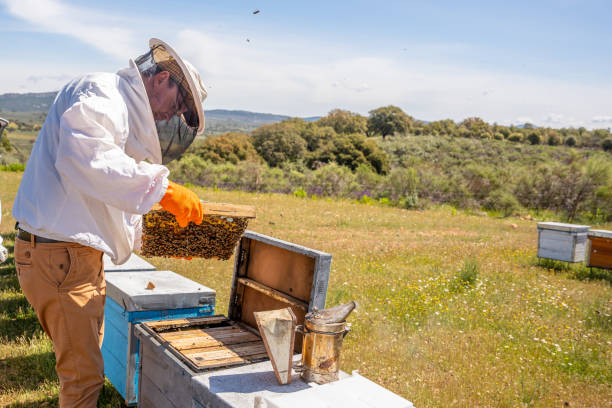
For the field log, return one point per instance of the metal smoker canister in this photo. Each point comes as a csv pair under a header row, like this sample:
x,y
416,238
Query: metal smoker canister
x,y
321,350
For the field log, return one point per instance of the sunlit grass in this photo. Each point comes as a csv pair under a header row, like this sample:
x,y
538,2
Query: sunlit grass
x,y
454,308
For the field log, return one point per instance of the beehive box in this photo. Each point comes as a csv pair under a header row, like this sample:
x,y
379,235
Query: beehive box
x,y
599,249
562,242
268,274
221,228
129,302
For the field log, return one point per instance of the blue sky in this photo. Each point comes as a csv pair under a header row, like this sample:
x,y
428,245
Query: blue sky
x,y
546,62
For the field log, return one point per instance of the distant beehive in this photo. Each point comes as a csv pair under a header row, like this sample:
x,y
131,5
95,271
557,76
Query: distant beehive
x,y
599,249
562,242
216,237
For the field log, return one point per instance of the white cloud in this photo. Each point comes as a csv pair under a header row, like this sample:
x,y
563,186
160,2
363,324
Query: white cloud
x,y
601,119
100,30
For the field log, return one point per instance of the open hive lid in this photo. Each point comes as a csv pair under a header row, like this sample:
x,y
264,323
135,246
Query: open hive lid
x,y
269,274
559,226
156,290
600,234
272,274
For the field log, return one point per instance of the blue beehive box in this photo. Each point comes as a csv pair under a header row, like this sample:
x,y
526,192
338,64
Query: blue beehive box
x,y
128,301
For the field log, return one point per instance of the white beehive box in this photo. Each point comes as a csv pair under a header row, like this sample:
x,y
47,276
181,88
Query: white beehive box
x,y
562,242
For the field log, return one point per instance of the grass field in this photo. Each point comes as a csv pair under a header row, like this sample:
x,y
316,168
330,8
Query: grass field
x,y
454,308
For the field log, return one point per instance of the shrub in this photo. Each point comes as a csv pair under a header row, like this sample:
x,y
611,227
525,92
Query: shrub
x,y
6,144
533,138
554,139
502,201
515,137
351,150
14,167
402,183
278,143
300,193
229,147
570,141
607,145
343,121
330,180
468,274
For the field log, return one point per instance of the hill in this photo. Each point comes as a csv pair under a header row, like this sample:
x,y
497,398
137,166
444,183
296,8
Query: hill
x,y
32,108
27,102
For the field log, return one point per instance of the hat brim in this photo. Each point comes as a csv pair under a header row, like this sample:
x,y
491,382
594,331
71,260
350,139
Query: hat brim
x,y
197,105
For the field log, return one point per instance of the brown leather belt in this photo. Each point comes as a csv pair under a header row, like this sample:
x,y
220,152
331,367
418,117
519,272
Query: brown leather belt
x,y
26,236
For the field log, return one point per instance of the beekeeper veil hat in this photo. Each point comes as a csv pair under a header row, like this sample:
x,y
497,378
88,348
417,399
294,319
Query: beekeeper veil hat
x,y
177,133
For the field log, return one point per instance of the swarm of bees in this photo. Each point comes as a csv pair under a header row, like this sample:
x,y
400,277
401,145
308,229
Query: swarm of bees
x,y
216,237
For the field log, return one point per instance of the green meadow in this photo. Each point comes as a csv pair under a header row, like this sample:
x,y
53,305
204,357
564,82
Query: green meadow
x,y
454,307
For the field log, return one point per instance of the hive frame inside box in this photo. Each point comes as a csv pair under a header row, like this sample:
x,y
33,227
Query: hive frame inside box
x,y
268,274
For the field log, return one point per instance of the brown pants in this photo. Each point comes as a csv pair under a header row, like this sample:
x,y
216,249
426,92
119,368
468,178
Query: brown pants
x,y
64,283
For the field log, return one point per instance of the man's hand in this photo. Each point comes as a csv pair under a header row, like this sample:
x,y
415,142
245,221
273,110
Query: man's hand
x,y
183,203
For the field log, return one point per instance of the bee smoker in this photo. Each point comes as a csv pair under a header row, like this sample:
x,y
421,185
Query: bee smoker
x,y
323,333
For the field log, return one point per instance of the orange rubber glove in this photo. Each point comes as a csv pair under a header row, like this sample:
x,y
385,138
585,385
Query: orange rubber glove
x,y
183,203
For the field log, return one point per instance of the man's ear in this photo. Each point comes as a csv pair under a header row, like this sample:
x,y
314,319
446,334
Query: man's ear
x,y
161,78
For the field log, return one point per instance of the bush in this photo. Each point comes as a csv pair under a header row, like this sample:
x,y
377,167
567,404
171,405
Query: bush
x,y
515,137
229,147
330,180
278,143
6,144
570,141
14,167
502,201
468,274
300,193
534,138
351,150
554,139
402,183
343,121
607,145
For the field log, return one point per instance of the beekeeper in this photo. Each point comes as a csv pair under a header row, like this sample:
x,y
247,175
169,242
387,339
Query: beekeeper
x,y
96,167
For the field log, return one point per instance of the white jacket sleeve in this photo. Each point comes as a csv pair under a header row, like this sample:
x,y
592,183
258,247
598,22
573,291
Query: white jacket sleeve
x,y
89,157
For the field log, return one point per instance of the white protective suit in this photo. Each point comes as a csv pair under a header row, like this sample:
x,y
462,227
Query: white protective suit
x,y
86,180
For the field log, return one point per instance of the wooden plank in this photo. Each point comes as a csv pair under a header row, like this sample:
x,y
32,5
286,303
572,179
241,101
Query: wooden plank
x,y
223,209
229,210
194,343
244,348
190,321
214,331
273,293
281,269
230,361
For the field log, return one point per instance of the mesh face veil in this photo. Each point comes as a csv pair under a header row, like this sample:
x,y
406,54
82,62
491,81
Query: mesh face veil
x,y
177,133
